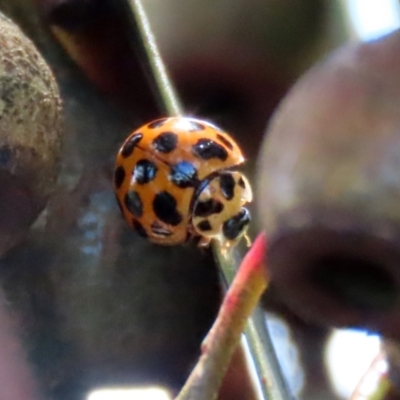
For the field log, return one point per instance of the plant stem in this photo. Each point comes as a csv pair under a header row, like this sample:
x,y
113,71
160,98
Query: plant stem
x,y
223,338
164,87
272,383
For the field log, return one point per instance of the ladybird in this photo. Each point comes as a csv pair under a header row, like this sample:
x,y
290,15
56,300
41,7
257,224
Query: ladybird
x,y
175,179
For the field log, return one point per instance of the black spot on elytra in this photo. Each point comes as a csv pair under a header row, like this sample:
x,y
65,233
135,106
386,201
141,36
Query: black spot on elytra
x,y
196,126
207,149
165,142
234,226
145,171
183,174
139,228
242,183
134,203
159,230
164,206
227,185
119,176
157,124
204,226
207,208
130,144
225,141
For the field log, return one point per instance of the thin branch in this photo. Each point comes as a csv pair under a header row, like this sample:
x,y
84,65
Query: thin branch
x,y
272,383
224,337
156,64
375,377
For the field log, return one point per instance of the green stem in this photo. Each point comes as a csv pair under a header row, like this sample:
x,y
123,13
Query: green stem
x,y
224,336
269,372
156,65
272,382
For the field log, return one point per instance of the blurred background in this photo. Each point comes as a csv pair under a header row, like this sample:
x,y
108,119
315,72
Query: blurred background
x,y
104,315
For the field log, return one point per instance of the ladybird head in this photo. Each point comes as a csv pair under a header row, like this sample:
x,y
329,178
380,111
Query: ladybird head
x,y
218,210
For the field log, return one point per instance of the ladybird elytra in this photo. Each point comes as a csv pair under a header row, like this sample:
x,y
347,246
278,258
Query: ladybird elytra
x,y
176,178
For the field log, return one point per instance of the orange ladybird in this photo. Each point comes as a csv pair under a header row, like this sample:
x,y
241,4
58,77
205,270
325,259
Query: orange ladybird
x,y
175,179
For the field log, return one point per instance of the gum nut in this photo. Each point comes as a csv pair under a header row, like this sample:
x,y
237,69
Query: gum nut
x,y
329,189
30,129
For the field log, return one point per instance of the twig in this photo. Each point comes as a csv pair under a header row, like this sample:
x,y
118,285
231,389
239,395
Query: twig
x,y
155,63
272,383
223,338
373,377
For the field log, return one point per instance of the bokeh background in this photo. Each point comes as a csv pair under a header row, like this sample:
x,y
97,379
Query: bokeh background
x,y
98,313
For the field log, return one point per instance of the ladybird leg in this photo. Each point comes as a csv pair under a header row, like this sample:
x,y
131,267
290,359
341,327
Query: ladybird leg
x,y
247,239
